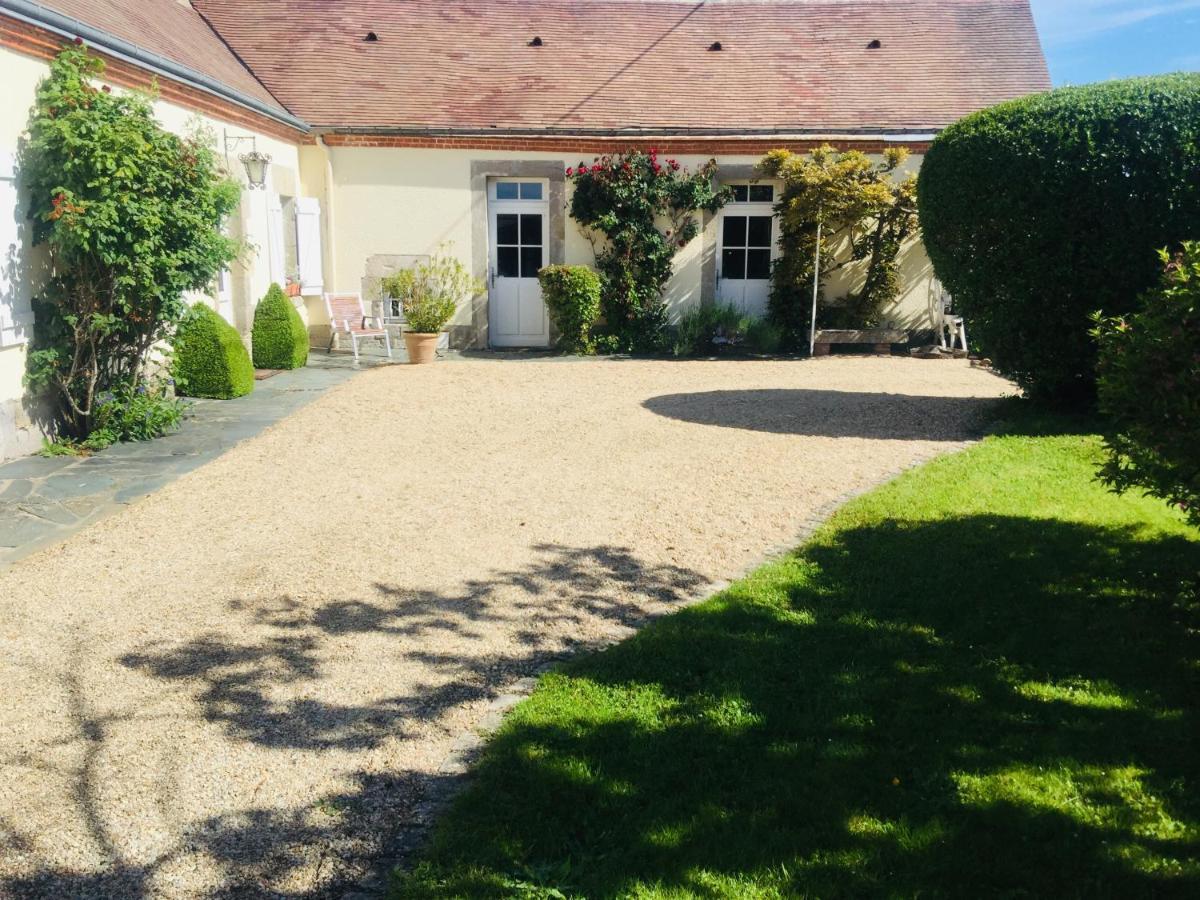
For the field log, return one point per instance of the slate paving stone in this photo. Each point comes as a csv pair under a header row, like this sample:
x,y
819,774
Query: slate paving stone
x,y
74,483
16,489
34,466
42,498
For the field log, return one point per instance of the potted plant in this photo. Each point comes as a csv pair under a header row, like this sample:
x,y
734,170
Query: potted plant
x,y
429,293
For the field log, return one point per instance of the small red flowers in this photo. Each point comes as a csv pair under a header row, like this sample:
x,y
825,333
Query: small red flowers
x,y
570,171
78,42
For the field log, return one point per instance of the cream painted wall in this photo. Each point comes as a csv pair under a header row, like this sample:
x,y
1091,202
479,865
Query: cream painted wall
x,y
19,76
409,201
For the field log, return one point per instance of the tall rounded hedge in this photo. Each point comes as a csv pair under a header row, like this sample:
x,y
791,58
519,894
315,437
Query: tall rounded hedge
x,y
210,358
1039,211
278,338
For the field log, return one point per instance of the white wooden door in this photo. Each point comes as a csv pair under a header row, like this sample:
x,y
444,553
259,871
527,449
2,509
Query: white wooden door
x,y
519,238
747,238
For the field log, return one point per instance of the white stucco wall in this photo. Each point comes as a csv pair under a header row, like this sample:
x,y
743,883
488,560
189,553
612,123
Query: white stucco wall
x,y
19,75
401,201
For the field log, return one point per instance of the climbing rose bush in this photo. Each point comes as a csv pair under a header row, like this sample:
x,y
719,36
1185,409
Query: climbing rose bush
x,y
639,210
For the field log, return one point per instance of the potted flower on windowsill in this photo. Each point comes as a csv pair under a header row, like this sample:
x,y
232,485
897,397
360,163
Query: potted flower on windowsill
x,y
429,293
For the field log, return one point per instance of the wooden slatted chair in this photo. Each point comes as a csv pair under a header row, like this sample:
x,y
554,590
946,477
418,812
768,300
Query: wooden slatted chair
x,y
348,316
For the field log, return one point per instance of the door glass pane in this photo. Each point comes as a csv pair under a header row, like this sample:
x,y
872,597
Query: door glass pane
x,y
759,231
506,228
531,190
758,264
739,193
506,262
734,234
531,261
531,229
506,190
762,193
733,264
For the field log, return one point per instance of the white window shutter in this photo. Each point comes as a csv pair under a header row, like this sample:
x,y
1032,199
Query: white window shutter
x,y
275,239
16,316
308,245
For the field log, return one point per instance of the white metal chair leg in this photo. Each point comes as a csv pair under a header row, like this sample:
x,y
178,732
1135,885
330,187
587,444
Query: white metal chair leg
x,y
387,343
962,334
354,345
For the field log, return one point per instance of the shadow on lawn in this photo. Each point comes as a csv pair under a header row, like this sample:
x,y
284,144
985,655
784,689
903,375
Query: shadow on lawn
x,y
249,678
825,413
978,706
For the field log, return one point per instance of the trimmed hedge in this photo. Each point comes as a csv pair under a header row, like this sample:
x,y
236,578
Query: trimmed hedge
x,y
1039,211
1149,386
210,358
572,297
278,338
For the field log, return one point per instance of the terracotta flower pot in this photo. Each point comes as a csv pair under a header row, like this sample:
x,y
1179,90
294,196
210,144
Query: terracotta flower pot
x,y
422,347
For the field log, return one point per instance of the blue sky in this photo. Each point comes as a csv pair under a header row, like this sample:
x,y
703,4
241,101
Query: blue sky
x,y
1094,40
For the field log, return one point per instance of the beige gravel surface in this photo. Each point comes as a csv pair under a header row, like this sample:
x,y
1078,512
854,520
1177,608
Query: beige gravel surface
x,y
248,683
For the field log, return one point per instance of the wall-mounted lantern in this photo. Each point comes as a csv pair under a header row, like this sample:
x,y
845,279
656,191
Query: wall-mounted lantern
x,y
254,163
256,168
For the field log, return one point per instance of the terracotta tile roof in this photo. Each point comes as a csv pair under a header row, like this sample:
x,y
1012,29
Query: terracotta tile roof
x,y
617,64
168,28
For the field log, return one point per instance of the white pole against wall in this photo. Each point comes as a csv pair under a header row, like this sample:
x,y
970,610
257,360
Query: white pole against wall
x,y
812,328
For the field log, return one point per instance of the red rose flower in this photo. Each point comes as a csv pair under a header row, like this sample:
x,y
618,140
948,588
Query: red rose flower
x,y
78,42
570,171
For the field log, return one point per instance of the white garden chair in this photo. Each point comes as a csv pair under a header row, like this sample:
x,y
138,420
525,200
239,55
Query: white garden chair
x,y
348,316
949,323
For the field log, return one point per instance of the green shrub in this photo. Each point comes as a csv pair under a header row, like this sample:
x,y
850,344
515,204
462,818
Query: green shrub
x,y
430,291
129,217
278,338
572,296
707,330
210,359
1149,384
764,336
1039,211
141,413
702,329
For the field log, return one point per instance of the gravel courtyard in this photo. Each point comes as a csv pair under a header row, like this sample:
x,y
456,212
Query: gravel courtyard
x,y
250,682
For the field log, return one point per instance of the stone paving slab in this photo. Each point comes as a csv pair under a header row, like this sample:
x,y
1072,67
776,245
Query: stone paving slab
x,y
44,500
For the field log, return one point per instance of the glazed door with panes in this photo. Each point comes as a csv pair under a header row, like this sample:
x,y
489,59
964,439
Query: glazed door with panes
x,y
747,245
518,218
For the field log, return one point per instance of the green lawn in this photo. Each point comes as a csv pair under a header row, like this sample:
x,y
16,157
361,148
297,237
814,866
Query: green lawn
x,y
982,679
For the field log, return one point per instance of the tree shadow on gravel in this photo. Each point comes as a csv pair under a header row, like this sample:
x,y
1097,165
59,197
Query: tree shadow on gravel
x,y
851,725
566,587
243,680
837,414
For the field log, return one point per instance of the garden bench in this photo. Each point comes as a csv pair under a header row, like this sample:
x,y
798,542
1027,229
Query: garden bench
x,y
879,339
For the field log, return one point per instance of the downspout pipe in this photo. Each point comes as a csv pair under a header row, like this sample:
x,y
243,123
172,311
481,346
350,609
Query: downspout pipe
x,y
38,15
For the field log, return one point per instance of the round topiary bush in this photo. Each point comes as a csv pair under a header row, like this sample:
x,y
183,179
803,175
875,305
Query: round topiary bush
x,y
1149,387
278,338
1039,211
210,358
572,296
